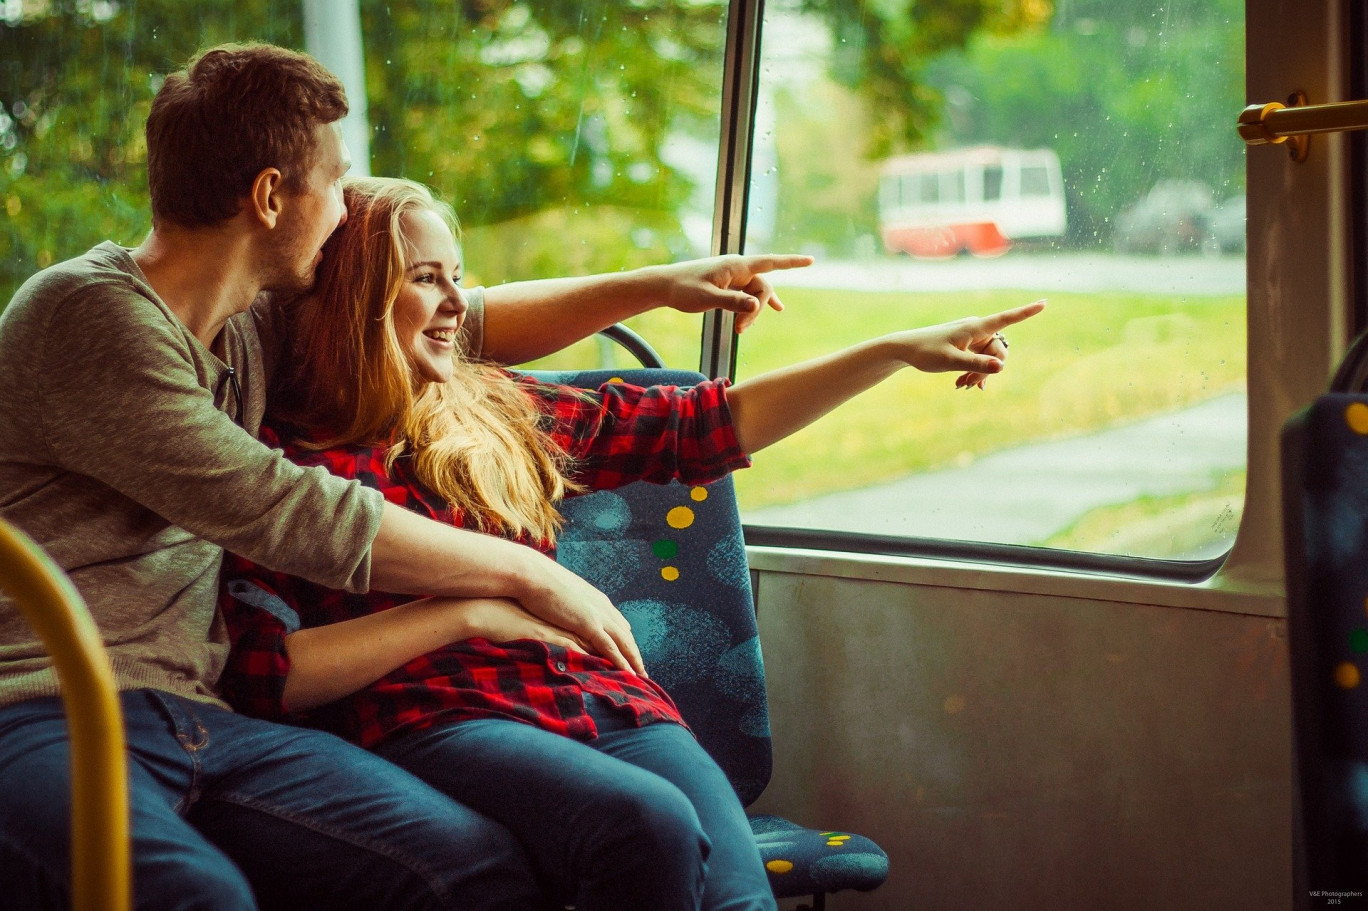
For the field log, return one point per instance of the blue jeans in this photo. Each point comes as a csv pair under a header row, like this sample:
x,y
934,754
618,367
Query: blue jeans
x,y
230,812
639,818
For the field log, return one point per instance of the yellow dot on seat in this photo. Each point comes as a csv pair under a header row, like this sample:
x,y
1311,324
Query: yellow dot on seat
x,y
698,494
669,573
1346,675
680,517
1356,416
779,866
615,379
836,843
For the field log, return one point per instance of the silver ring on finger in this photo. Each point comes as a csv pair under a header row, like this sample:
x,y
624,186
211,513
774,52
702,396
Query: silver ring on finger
x,y
1001,338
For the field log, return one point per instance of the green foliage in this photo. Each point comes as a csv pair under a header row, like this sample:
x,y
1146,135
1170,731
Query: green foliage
x,y
568,241
520,113
76,81
513,108
549,124
1126,94
825,201
882,48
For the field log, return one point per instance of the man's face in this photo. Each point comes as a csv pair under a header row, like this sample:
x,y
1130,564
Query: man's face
x,y
309,218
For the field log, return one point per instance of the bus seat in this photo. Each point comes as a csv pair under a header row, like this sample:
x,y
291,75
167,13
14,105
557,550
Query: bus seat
x,y
100,853
1325,542
673,559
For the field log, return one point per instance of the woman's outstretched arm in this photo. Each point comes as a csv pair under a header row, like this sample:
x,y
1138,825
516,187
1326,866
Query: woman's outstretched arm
x,y
526,320
335,660
774,405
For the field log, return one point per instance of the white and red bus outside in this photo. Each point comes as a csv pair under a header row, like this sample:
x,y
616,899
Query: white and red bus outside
x,y
979,199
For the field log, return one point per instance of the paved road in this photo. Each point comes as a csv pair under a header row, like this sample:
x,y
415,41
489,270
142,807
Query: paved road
x,y
1026,494
1038,273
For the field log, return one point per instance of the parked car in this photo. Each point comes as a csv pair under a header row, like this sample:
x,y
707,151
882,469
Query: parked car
x,y
1173,217
1226,227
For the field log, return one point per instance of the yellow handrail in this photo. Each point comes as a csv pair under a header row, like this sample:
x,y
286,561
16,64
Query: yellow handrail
x,y
101,870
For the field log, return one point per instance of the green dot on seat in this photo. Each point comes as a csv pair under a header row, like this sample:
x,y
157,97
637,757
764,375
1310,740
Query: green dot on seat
x,y
665,549
1358,640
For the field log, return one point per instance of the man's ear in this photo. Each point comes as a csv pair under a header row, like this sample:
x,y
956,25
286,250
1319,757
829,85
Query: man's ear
x,y
265,200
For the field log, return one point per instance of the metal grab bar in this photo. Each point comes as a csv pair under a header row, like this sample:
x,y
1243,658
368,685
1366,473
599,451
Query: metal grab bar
x,y
637,346
1296,121
101,878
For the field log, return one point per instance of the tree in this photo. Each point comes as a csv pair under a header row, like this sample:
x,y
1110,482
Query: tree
x,y
510,109
1127,94
76,82
546,123
535,117
882,49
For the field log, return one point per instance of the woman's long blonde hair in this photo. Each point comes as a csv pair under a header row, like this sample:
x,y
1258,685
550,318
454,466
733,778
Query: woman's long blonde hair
x,y
475,440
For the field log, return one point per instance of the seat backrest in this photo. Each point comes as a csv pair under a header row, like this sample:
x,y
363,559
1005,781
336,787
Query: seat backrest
x,y
1325,513
672,558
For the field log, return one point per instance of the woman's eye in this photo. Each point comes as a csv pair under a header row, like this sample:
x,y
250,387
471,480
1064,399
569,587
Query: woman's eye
x,y
426,278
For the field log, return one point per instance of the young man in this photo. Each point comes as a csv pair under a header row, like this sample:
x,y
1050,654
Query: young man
x,y
133,385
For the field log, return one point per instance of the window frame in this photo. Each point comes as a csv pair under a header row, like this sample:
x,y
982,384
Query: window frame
x,y
1255,556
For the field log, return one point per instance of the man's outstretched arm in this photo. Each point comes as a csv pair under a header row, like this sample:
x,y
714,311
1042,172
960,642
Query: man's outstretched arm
x,y
415,555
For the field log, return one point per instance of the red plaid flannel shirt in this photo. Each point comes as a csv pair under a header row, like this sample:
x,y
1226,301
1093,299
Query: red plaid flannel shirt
x,y
617,435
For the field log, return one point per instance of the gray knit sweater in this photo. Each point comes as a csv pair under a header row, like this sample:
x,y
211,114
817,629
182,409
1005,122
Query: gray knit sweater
x,y
125,453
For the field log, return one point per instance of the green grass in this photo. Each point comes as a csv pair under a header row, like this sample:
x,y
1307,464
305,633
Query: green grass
x,y
1180,526
1088,362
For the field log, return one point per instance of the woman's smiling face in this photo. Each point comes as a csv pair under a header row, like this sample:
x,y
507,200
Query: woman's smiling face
x,y
430,307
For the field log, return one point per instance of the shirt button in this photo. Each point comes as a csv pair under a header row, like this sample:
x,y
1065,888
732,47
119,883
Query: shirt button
x,y
560,666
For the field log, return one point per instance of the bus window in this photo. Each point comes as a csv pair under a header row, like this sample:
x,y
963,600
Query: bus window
x,y
953,184
992,182
929,188
1035,181
1119,426
568,142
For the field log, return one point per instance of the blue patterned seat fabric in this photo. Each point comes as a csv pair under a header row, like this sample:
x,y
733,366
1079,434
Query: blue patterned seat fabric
x,y
1325,512
673,559
821,861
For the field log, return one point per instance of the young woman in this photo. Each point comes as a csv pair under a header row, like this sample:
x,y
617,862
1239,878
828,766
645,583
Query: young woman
x,y
589,764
